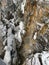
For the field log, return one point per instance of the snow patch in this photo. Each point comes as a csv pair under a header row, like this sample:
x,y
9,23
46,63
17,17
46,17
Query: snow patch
x,y
23,5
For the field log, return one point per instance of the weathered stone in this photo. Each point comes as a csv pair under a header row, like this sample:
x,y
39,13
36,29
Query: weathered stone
x,y
24,30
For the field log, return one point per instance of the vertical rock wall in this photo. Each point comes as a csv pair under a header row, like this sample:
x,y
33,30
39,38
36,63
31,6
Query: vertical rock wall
x,y
24,32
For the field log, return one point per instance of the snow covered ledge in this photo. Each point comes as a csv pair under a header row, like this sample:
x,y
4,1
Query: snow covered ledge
x,y
38,59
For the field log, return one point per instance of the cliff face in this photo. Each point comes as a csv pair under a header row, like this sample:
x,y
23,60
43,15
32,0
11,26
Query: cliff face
x,y
36,26
24,32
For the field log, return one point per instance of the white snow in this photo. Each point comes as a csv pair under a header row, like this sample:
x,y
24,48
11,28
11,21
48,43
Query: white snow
x,y
35,60
40,24
4,41
28,61
19,31
14,1
35,36
21,25
18,37
23,5
7,57
10,37
45,58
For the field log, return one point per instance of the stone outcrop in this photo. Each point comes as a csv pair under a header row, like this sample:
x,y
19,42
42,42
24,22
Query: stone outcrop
x,y
24,32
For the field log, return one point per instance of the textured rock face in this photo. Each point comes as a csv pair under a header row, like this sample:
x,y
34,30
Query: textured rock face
x,y
24,32
38,59
36,28
35,40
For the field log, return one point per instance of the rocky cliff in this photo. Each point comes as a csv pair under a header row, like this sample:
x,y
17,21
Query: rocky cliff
x,y
24,32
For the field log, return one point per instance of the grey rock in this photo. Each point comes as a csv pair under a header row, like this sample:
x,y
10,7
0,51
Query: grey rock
x,y
2,62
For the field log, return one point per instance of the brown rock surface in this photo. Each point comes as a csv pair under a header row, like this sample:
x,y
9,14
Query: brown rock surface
x,y
33,15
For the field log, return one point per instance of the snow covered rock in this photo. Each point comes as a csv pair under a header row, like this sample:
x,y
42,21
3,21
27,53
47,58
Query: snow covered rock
x,y
7,57
23,5
20,31
38,59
